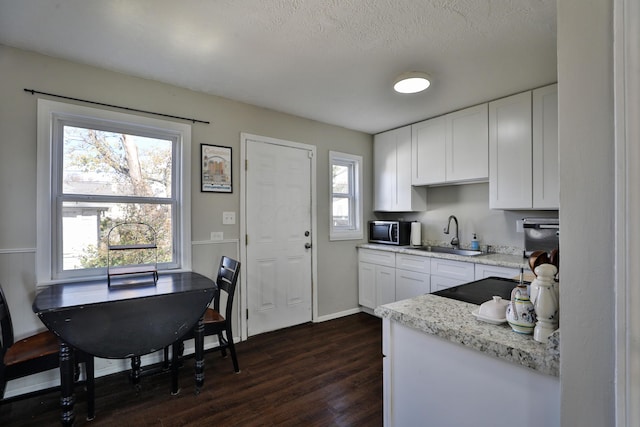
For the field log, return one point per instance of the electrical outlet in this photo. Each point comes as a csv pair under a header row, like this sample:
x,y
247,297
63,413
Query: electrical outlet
x,y
520,226
228,218
217,235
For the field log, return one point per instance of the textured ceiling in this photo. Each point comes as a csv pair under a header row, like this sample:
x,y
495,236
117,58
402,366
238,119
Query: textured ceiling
x,y
333,61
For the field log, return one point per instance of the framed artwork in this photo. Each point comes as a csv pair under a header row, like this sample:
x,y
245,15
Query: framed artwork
x,y
216,169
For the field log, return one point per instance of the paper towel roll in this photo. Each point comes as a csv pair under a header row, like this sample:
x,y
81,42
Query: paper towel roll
x,y
416,234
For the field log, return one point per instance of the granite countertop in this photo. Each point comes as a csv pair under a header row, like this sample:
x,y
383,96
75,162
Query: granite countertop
x,y
499,259
453,321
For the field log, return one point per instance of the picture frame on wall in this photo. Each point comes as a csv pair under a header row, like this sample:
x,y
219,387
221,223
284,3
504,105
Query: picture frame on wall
x,y
215,161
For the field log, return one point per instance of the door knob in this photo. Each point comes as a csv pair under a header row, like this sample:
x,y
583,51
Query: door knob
x,y
307,245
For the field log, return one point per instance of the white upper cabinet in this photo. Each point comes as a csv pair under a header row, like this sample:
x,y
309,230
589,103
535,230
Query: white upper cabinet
x,y
451,148
510,167
428,147
545,148
523,151
393,191
468,144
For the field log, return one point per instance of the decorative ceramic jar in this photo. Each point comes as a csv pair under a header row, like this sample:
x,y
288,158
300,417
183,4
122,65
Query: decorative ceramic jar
x,y
546,302
520,312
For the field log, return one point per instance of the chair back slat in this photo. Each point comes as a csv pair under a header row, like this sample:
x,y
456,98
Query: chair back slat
x,y
227,280
6,327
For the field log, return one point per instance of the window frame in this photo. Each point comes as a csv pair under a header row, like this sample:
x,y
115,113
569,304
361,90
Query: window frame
x,y
52,116
354,162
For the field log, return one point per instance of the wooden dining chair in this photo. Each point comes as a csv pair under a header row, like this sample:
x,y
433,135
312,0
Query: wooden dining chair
x,y
215,323
34,354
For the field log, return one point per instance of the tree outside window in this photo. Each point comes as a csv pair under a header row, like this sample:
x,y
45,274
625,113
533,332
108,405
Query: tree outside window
x,y
99,168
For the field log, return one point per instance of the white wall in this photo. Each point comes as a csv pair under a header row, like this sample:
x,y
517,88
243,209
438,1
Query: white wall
x,y
470,204
585,99
337,272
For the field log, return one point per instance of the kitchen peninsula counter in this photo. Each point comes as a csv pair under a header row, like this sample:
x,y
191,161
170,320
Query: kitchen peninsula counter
x,y
442,366
452,320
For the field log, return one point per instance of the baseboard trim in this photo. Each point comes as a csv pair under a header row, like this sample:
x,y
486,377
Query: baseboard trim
x,y
338,315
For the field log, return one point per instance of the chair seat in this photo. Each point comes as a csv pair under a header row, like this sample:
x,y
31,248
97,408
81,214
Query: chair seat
x,y
39,345
212,316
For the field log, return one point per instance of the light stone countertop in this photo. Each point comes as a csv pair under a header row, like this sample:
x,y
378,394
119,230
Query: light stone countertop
x,y
453,321
499,259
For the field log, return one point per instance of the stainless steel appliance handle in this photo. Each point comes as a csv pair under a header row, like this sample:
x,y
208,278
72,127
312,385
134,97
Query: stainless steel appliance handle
x,y
542,226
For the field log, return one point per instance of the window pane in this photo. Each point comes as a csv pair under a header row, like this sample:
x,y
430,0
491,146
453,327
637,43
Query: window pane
x,y
110,163
85,226
340,179
341,212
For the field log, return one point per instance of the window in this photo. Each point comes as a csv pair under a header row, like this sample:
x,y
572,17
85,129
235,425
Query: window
x,y
345,202
100,168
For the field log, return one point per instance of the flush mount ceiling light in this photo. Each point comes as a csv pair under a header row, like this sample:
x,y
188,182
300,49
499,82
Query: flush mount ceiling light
x,y
412,82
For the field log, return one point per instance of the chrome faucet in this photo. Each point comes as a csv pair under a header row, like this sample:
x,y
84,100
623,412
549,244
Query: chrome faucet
x,y
455,242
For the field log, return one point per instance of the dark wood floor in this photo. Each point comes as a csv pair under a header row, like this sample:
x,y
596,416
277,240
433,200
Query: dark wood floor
x,y
324,374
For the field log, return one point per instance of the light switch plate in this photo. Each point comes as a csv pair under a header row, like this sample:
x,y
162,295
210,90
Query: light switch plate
x,y
217,235
228,218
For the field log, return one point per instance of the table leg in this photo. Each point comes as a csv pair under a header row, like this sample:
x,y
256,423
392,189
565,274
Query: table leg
x,y
175,364
199,353
67,399
90,382
135,371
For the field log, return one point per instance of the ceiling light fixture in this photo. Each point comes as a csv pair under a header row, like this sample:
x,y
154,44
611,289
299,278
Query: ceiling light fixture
x,y
412,82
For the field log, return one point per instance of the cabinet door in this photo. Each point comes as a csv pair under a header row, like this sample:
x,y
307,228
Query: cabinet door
x,y
385,285
545,148
428,141
392,173
367,285
408,197
467,156
510,144
384,156
410,284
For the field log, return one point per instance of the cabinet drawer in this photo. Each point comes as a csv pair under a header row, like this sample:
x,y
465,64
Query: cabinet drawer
x,y
483,271
419,264
457,270
377,257
439,283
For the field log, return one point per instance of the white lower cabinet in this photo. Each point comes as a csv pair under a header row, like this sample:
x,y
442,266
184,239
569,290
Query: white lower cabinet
x,y
412,276
376,277
385,276
446,273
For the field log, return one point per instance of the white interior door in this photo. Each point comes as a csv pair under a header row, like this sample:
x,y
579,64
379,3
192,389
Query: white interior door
x,y
278,228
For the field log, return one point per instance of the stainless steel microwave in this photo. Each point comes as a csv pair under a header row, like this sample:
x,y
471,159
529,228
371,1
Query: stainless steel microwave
x,y
390,232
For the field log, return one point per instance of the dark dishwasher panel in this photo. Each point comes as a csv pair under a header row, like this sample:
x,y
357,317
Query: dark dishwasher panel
x,y
481,290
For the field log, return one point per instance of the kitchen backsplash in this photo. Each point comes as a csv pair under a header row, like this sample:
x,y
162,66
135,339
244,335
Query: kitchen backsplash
x,y
470,204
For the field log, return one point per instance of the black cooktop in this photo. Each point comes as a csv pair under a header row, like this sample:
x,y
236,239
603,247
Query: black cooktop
x,y
481,290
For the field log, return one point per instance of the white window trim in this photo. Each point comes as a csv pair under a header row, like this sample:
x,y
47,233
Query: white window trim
x,y
358,232
48,111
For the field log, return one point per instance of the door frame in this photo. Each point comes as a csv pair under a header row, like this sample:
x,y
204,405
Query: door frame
x,y
244,305
626,61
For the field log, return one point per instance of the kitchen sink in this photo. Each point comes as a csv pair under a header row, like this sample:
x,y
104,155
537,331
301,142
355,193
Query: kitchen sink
x,y
447,250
